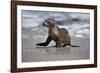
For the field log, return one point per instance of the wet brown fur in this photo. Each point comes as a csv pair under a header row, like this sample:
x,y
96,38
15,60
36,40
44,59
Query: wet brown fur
x,y
59,35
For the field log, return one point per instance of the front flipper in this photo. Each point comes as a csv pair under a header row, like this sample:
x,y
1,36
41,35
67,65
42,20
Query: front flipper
x,y
41,44
44,43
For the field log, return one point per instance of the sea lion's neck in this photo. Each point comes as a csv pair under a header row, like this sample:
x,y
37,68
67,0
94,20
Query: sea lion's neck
x,y
54,30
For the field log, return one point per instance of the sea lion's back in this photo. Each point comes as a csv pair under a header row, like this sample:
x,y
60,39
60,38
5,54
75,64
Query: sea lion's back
x,y
64,30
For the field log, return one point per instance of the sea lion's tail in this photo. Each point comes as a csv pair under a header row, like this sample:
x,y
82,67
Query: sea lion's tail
x,y
74,46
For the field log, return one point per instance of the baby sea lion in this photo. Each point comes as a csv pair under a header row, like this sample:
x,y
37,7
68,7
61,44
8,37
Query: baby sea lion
x,y
59,35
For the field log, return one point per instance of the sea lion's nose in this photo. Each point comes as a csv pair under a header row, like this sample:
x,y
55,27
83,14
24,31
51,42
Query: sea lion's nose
x,y
43,24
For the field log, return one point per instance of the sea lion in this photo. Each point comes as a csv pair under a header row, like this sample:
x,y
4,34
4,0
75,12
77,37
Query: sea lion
x,y
59,35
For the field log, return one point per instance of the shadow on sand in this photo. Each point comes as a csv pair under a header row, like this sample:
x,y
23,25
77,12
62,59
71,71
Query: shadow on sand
x,y
55,50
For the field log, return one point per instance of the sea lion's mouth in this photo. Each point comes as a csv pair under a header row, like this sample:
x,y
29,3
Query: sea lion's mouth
x,y
45,24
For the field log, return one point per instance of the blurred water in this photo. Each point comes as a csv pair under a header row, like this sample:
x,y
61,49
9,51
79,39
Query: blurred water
x,y
78,24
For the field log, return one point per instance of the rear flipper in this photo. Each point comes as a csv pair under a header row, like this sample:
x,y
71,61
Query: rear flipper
x,y
74,46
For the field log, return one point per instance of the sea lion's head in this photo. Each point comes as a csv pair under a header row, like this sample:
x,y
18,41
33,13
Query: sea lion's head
x,y
49,23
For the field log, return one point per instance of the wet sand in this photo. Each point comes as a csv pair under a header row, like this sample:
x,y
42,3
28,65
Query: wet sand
x,y
33,53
